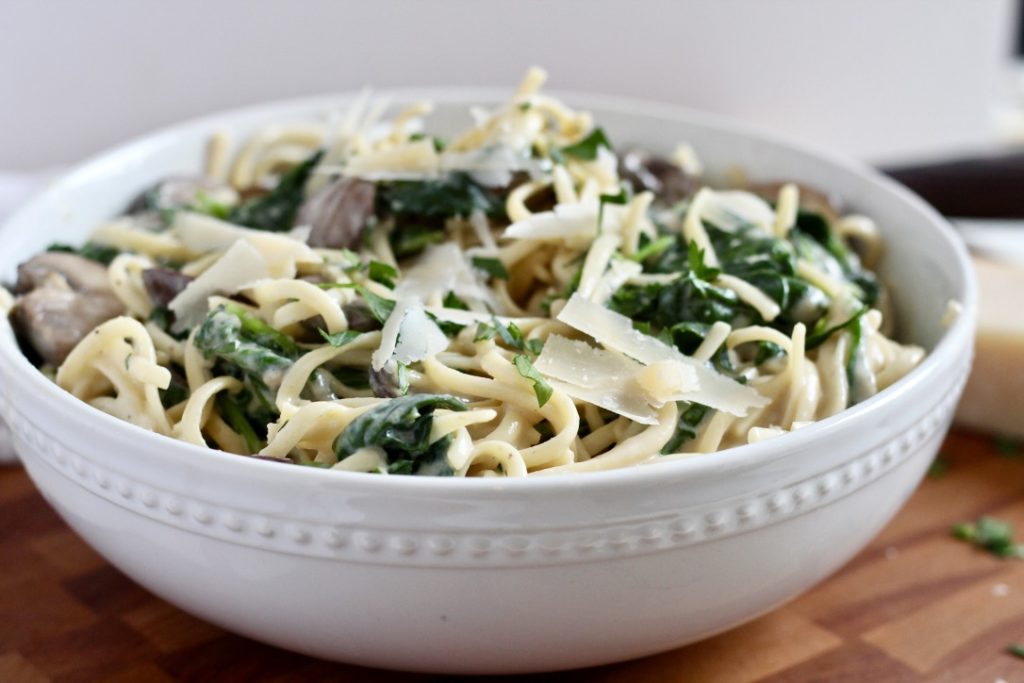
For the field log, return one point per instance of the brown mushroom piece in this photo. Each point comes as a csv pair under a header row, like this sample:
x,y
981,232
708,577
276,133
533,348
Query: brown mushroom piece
x,y
163,284
338,213
61,269
384,383
64,297
647,172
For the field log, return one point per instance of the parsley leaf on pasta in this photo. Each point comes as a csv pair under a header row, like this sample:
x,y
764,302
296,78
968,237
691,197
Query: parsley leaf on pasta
x,y
586,149
541,388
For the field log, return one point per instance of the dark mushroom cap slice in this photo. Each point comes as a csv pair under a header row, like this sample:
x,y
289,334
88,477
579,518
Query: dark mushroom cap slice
x,y
338,213
54,320
64,270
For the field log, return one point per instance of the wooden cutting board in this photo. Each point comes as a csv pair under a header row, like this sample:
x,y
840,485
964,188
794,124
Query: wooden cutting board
x,y
916,605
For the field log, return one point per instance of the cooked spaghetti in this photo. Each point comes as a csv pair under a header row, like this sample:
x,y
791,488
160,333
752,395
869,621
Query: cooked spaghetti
x,y
517,300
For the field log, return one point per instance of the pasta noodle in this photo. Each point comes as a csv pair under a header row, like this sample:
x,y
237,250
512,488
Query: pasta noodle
x,y
520,300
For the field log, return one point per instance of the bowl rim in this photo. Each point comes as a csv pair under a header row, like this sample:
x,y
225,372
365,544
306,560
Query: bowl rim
x,y
944,355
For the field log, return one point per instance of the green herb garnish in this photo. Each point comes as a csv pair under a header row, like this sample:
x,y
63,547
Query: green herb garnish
x,y
938,468
380,308
509,334
586,149
453,301
541,388
339,339
234,415
492,266
994,535
100,253
382,273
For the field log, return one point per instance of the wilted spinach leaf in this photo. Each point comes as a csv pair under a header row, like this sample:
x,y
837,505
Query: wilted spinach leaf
x,y
401,428
275,211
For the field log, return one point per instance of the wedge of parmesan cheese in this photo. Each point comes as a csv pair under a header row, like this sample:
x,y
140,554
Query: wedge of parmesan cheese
x,y
389,335
619,399
596,376
240,265
205,234
615,331
580,363
442,269
613,381
408,336
418,337
991,399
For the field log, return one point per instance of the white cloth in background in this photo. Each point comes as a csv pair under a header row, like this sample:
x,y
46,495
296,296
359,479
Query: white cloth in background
x,y
14,189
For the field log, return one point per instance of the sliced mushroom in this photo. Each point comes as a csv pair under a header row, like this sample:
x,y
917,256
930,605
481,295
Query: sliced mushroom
x,y
338,213
647,172
64,297
384,383
359,317
61,269
163,284
54,320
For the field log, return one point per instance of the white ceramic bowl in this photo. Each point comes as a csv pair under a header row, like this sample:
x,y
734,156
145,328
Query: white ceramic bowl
x,y
484,575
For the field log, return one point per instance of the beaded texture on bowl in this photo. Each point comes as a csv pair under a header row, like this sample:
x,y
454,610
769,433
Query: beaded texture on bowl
x,y
668,530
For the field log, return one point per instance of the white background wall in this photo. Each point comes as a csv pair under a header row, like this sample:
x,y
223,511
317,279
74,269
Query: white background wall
x,y
877,78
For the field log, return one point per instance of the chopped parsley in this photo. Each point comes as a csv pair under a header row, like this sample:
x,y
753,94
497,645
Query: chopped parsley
x,y
382,273
453,301
586,149
509,334
100,253
994,535
492,266
380,308
541,388
339,339
939,468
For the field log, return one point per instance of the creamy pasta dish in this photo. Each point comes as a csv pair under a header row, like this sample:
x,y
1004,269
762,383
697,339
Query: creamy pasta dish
x,y
523,298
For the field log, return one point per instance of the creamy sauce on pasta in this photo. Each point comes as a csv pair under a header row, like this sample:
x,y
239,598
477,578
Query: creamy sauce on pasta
x,y
517,300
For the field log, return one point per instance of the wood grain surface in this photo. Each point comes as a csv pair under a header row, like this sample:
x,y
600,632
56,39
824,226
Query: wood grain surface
x,y
916,605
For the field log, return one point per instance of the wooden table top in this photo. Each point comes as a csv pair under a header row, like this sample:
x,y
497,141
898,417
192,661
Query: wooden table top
x,y
916,605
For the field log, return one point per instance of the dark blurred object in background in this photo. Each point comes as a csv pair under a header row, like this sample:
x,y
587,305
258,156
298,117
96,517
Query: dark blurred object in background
x,y
974,187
